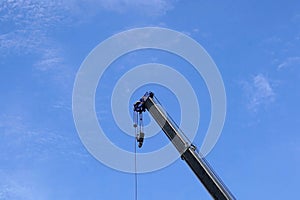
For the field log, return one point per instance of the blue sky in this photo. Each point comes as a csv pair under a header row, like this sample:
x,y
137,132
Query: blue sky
x,y
255,45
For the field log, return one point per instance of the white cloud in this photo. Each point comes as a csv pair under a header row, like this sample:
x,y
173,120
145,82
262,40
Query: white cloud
x,y
20,42
24,24
19,185
289,62
14,190
146,7
259,91
22,142
154,7
50,59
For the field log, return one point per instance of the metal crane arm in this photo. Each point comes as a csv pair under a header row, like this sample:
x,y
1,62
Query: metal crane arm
x,y
186,149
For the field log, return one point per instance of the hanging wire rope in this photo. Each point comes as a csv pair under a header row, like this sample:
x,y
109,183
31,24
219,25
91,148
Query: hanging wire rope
x,y
139,136
135,125
135,172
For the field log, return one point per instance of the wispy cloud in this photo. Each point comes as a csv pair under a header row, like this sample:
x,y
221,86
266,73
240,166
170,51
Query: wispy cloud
x,y
50,59
21,142
15,190
145,7
19,185
154,7
25,25
289,62
259,92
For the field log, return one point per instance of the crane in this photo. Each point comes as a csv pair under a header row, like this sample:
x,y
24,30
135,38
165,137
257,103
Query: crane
x,y
187,150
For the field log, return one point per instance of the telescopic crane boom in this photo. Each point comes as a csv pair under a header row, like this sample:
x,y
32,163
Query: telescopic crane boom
x,y
197,163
